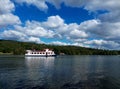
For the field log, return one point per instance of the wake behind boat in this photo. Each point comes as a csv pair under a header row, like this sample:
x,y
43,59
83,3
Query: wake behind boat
x,y
44,53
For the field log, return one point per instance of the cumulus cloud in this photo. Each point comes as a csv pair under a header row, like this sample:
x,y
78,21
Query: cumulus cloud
x,y
19,36
59,43
35,29
40,4
54,21
56,3
89,24
92,5
34,39
9,19
95,29
109,5
6,6
78,34
6,16
13,35
102,32
113,16
107,31
46,29
103,44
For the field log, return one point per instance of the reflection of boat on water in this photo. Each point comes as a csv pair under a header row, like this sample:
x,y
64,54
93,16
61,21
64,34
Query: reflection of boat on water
x,y
40,58
38,68
39,61
44,53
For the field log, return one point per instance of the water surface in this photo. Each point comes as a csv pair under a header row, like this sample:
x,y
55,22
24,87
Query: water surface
x,y
62,72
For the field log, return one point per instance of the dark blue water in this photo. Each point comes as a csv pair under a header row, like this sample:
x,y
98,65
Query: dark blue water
x,y
62,72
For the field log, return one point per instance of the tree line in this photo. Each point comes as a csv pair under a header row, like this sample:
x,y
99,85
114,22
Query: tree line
x,y
19,48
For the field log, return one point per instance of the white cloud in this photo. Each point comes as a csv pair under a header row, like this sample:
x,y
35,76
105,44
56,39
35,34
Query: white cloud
x,y
35,29
6,16
91,5
56,3
54,22
19,36
106,27
34,39
9,19
90,24
39,32
112,8
40,4
96,42
79,44
75,3
13,35
103,44
65,29
46,29
108,31
59,43
110,5
78,34
6,6
113,16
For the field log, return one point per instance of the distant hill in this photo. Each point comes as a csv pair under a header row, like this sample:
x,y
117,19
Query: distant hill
x,y
18,48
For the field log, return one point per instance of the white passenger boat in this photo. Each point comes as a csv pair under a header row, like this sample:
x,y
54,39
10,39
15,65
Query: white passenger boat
x,y
44,53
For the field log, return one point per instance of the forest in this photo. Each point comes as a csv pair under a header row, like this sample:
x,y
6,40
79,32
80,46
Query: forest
x,y
19,48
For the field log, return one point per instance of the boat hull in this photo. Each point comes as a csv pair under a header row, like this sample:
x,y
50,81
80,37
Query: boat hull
x,y
40,55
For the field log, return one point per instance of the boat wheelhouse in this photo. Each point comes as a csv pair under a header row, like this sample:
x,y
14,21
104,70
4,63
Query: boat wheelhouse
x,y
44,53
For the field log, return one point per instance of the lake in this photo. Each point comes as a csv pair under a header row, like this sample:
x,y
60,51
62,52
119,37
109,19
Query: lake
x,y
62,72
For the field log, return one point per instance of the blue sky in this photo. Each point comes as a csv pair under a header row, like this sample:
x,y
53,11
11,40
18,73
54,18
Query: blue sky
x,y
62,22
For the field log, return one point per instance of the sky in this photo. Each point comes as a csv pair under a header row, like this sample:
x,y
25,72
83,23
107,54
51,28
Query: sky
x,y
86,23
